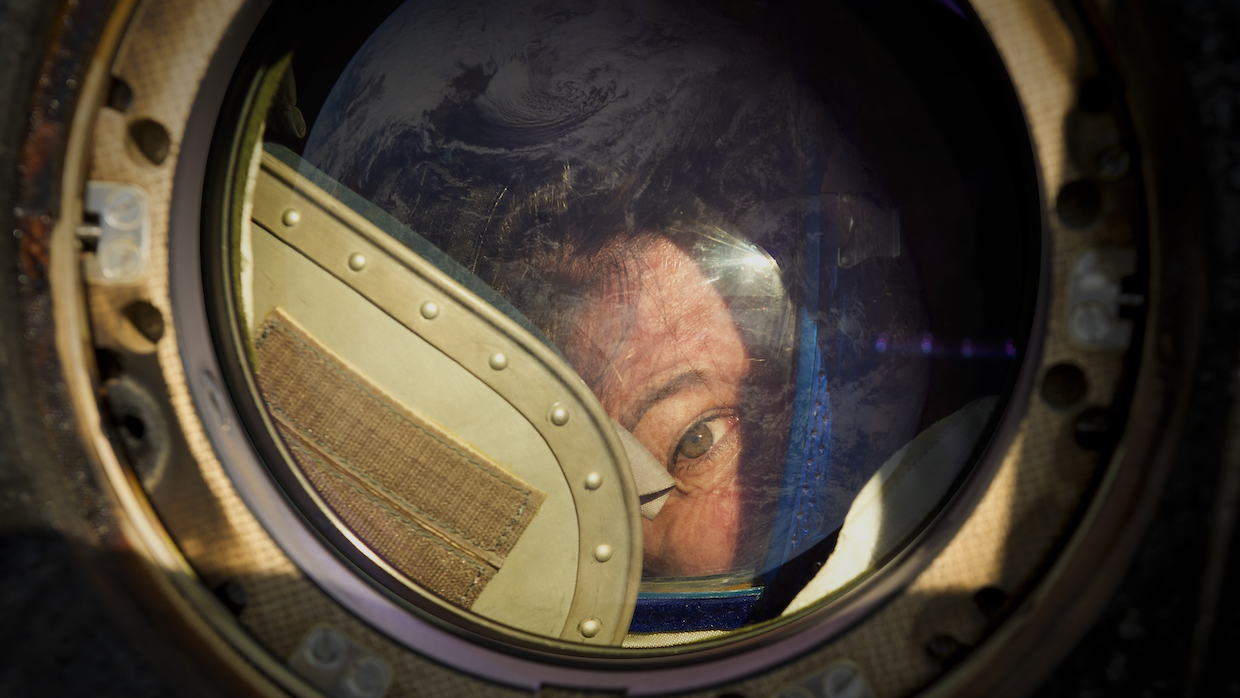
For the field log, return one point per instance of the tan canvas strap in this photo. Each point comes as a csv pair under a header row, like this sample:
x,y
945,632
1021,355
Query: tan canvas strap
x,y
432,506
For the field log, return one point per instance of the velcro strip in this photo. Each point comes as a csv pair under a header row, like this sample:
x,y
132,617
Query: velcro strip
x,y
438,510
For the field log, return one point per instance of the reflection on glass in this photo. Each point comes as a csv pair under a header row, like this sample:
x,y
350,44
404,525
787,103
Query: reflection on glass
x,y
777,306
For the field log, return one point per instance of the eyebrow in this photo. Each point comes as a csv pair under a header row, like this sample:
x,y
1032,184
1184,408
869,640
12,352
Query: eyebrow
x,y
654,397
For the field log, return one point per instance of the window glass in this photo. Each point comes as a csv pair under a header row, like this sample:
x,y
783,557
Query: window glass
x,y
766,265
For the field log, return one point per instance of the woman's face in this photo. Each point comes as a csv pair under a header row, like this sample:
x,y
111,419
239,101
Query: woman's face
x,y
674,370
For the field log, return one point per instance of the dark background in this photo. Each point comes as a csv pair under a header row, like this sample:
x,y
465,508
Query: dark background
x,y
1172,628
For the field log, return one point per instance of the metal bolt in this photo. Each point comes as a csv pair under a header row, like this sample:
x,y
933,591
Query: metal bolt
x,y
122,209
325,650
594,481
357,261
602,553
430,310
120,258
590,627
367,678
291,217
1090,322
558,415
844,680
499,362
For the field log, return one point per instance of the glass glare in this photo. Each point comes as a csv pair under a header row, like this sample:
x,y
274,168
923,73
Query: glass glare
x,y
779,251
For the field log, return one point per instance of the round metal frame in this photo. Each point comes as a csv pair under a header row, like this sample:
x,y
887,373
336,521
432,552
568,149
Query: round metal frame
x,y
1044,500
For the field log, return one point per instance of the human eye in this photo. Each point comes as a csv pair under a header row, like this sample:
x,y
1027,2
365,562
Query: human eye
x,y
701,443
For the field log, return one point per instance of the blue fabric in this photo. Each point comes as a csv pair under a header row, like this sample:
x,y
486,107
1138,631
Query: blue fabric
x,y
686,612
815,452
808,454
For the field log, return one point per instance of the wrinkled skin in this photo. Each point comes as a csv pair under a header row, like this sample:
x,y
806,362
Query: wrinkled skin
x,y
674,370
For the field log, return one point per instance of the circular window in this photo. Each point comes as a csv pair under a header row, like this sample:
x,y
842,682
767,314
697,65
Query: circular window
x,y
582,325
508,348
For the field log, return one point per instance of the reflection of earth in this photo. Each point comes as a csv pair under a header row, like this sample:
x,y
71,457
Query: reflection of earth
x,y
447,109
444,105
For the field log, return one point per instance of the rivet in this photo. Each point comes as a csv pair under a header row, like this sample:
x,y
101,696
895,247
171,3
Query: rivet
x,y
325,649
122,209
498,361
594,481
291,217
590,627
558,415
845,679
120,258
1090,322
357,261
602,553
430,310
368,677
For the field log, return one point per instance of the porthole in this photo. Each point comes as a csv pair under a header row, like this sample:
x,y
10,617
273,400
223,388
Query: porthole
x,y
776,348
